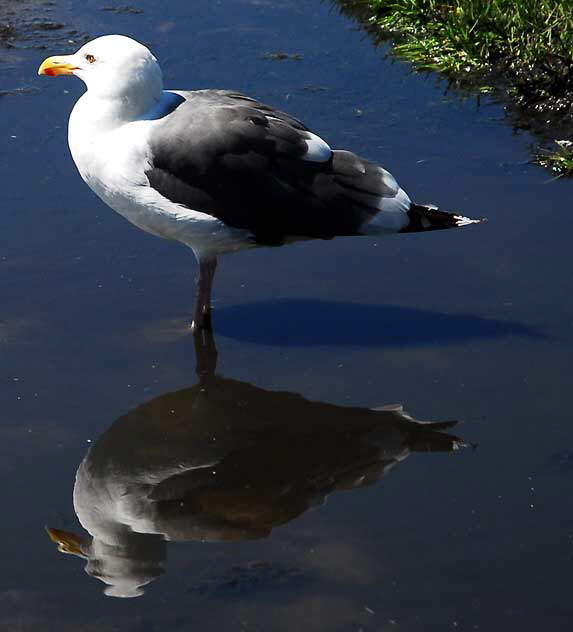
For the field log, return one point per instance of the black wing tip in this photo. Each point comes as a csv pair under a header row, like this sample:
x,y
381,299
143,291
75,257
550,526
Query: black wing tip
x,y
424,217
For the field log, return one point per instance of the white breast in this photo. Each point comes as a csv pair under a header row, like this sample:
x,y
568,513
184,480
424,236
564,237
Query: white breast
x,y
113,163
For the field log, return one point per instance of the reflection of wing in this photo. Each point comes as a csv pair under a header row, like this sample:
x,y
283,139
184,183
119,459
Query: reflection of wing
x,y
174,464
226,460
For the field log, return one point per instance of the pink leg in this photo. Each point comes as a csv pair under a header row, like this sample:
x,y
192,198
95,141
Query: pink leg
x,y
202,311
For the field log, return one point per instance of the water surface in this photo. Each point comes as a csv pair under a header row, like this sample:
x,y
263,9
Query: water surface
x,y
471,325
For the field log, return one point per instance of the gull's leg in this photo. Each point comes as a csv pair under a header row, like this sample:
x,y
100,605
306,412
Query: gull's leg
x,y
202,311
211,267
205,355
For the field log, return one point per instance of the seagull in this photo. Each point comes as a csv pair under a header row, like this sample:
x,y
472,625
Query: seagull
x,y
218,170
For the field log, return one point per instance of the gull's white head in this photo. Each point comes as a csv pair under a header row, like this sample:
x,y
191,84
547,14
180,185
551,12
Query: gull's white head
x,y
113,67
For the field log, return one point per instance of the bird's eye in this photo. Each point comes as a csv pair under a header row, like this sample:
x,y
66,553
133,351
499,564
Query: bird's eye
x,y
90,58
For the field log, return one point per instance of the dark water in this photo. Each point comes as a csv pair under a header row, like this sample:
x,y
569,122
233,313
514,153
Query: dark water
x,y
471,325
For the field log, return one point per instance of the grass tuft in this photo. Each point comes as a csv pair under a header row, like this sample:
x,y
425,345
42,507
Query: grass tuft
x,y
559,161
521,50
477,35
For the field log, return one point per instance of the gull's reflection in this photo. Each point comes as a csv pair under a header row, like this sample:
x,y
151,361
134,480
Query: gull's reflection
x,y
224,460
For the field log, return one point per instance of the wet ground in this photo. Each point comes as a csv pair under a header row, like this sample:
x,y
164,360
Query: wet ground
x,y
420,531
537,98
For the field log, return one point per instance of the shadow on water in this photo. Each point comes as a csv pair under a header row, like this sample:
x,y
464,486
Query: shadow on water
x,y
306,322
214,463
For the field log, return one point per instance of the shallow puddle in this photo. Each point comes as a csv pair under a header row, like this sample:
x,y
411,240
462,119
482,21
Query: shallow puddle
x,y
283,488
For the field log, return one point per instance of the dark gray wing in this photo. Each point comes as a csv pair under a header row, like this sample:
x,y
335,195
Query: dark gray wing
x,y
249,165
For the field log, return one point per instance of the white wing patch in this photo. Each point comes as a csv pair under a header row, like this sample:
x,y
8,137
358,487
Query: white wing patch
x,y
318,150
399,203
393,215
390,181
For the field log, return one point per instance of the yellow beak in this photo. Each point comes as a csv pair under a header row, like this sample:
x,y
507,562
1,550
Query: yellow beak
x,y
67,542
57,65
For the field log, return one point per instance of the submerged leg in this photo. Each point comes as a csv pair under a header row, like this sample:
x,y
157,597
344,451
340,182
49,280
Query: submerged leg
x,y
202,311
205,355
